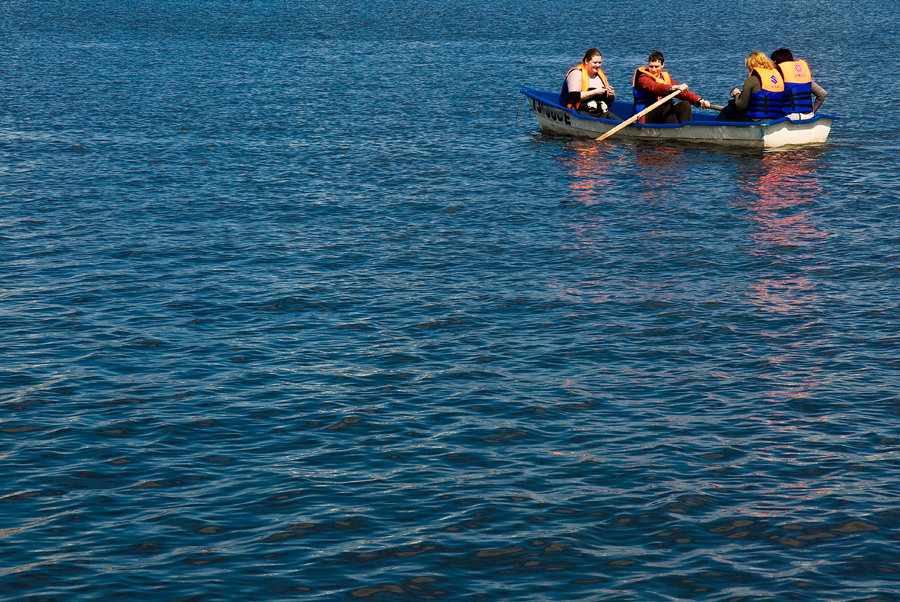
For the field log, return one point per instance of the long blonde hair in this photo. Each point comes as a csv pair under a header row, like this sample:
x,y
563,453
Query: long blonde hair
x,y
758,59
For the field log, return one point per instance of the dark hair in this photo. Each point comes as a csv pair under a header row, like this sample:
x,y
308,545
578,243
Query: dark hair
x,y
590,54
781,55
656,55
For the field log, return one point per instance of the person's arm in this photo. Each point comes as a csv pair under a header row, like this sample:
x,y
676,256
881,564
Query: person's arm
x,y
742,98
688,96
598,93
692,98
646,83
573,85
820,93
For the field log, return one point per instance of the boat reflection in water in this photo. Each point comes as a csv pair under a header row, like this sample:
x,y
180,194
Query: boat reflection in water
x,y
589,166
780,190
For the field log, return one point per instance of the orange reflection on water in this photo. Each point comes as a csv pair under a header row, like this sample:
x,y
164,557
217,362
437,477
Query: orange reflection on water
x,y
589,167
775,189
785,294
659,169
657,162
780,189
779,182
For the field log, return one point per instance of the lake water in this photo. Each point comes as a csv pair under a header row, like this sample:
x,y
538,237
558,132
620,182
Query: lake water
x,y
296,302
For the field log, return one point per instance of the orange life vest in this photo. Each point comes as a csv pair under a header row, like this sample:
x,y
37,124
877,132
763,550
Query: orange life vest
x,y
642,98
565,99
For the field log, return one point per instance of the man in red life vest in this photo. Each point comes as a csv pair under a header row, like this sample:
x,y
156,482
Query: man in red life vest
x,y
651,83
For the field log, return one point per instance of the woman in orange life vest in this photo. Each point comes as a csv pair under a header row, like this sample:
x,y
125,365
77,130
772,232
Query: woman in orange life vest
x,y
586,88
760,97
799,87
651,83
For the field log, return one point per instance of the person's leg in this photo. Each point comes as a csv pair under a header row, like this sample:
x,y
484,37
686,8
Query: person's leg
x,y
730,113
682,111
593,108
662,114
727,112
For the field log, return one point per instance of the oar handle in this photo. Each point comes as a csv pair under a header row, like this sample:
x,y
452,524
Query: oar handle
x,y
634,118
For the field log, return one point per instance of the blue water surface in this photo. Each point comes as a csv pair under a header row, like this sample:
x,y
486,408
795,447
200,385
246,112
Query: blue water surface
x,y
297,302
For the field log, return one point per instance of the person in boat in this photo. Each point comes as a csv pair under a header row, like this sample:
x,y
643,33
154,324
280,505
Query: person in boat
x,y
799,87
760,97
586,88
651,83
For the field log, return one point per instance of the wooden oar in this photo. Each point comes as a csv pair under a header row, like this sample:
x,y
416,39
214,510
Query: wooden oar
x,y
716,107
634,118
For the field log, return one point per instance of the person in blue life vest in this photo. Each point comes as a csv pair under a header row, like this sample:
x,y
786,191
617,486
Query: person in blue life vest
x,y
586,88
799,88
651,83
759,99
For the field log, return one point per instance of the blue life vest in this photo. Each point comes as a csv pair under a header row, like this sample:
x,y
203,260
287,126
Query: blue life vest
x,y
766,104
797,96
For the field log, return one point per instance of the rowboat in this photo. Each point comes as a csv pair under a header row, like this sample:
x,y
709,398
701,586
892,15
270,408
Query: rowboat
x,y
703,128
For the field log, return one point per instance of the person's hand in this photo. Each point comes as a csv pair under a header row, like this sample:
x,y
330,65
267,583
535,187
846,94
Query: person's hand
x,y
704,104
735,91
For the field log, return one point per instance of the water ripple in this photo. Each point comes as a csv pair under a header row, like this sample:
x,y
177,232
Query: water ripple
x,y
275,330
